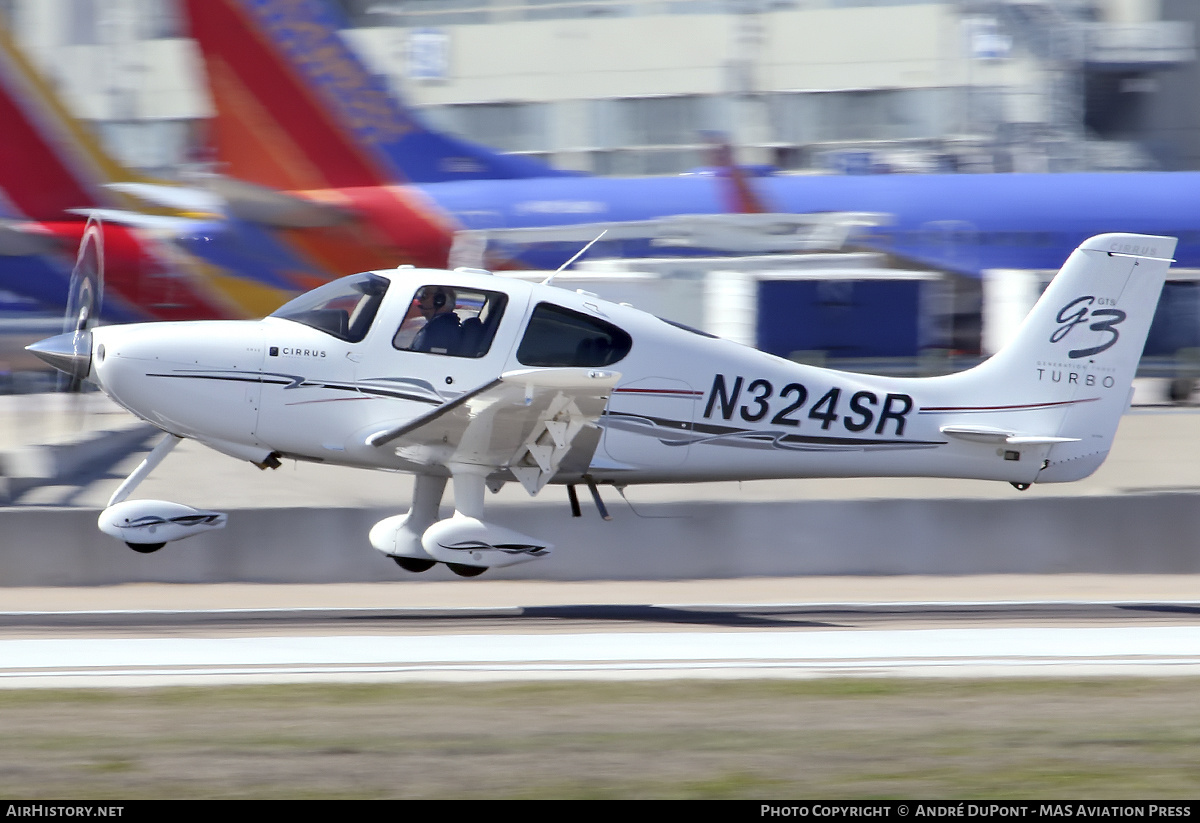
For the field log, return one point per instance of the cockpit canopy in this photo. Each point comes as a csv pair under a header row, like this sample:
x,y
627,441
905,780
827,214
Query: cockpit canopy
x,y
458,321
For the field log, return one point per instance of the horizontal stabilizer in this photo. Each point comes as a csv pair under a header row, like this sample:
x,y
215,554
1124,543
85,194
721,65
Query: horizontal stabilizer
x,y
153,222
19,238
246,201
987,433
183,198
259,204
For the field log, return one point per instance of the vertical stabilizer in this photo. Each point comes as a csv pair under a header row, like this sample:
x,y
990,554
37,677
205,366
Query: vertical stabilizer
x,y
48,161
737,189
296,109
1065,379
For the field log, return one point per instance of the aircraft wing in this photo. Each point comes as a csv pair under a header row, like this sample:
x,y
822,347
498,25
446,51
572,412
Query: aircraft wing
x,y
531,421
737,233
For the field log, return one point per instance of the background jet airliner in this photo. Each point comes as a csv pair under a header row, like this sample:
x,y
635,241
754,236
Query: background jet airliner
x,y
323,126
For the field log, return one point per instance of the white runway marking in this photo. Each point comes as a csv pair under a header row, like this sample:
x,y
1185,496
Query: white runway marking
x,y
930,652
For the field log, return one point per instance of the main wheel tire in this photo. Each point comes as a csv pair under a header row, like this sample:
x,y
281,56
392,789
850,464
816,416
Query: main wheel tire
x,y
414,564
145,548
466,571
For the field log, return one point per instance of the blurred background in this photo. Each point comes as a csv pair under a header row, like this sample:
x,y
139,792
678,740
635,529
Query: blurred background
x,y
629,86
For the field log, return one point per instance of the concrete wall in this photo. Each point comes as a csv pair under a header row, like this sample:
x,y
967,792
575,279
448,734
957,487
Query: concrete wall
x,y
1128,534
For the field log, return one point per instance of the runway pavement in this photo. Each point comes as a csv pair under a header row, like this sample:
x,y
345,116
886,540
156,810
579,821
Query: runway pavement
x,y
781,628
1156,449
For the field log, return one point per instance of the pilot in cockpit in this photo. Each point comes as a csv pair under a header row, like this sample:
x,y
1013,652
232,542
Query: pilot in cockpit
x,y
440,332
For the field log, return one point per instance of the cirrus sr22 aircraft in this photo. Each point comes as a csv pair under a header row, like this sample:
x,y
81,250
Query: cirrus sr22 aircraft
x,y
465,375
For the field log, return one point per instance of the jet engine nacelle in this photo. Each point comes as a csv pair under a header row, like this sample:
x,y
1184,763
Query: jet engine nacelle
x,y
469,541
150,523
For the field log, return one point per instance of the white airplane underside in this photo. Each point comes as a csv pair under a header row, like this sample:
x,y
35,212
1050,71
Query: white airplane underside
x,y
462,375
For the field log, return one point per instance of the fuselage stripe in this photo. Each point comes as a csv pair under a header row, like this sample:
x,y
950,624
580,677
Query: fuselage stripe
x,y
679,392
1024,407
302,383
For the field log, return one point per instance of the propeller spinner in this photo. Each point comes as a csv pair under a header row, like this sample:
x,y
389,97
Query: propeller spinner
x,y
71,351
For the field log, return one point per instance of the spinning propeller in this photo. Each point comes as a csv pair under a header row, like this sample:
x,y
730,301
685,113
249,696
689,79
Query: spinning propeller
x,y
71,352
86,295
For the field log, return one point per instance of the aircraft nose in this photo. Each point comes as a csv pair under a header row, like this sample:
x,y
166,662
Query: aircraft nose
x,y
70,353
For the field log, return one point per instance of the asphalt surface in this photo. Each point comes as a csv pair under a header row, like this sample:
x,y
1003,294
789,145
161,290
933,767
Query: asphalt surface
x,y
137,636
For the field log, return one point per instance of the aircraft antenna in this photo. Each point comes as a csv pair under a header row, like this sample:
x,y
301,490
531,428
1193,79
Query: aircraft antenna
x,y
578,254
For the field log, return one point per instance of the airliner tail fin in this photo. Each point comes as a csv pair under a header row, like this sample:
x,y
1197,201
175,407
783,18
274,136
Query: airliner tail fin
x,y
297,109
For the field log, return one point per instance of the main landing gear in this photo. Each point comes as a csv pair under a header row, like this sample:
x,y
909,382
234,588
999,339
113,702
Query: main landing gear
x,y
466,543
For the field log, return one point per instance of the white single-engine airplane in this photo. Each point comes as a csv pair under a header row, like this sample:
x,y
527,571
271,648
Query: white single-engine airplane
x,y
465,375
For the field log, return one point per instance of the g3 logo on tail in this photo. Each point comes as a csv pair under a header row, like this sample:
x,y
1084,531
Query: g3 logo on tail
x,y
1079,311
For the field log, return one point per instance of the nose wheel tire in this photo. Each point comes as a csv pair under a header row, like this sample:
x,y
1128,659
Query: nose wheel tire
x,y
414,564
466,571
145,548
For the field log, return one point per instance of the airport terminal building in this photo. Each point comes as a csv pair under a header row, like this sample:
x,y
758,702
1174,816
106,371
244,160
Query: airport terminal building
x,y
631,87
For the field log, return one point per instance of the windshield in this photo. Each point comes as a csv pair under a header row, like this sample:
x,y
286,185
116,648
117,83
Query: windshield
x,y
344,308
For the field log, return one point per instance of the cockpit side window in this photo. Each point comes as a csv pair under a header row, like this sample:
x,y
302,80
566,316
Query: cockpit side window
x,y
561,337
452,321
345,308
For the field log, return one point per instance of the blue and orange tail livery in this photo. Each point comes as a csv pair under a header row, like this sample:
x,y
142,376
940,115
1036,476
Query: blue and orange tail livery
x,y
52,168
296,109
